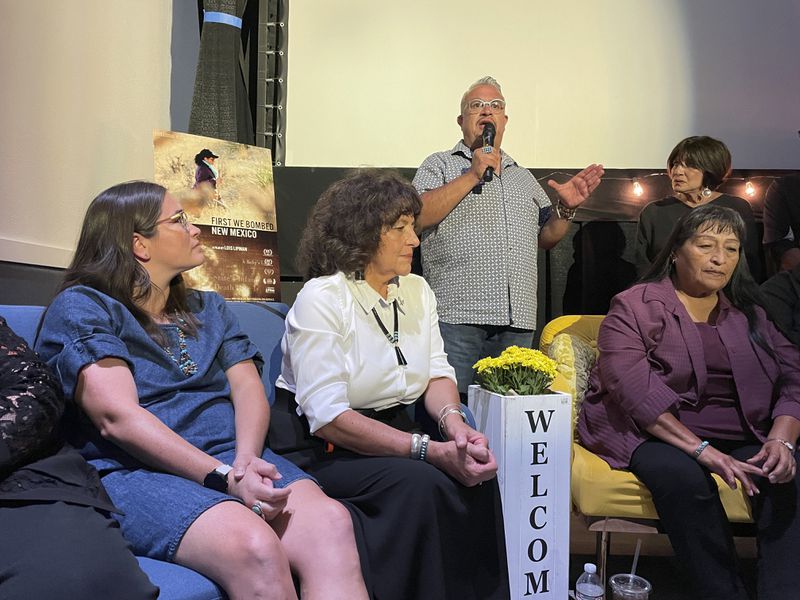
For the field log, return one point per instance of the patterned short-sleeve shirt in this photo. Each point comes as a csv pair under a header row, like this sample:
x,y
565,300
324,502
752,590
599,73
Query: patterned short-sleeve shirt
x,y
480,259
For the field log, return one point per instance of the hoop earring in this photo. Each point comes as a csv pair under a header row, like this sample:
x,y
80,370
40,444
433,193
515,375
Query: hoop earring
x,y
706,192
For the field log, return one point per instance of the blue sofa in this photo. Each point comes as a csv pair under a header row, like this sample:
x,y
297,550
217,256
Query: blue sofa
x,y
264,323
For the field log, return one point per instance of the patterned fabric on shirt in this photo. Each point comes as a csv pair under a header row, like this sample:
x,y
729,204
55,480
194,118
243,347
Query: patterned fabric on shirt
x,y
30,401
480,259
35,466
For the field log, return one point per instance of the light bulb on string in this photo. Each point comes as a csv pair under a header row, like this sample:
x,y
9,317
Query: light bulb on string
x,y
750,190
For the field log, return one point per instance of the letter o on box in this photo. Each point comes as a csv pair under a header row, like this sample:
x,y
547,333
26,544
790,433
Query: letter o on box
x,y
543,549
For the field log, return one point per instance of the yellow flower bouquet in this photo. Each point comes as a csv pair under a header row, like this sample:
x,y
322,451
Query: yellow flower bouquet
x,y
521,371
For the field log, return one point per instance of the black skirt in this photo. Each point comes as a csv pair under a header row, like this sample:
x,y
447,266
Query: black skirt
x,y
421,534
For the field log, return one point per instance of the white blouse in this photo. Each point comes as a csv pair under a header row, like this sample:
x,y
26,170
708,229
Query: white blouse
x,y
336,357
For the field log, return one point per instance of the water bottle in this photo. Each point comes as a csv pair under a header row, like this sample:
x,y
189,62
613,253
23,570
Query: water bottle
x,y
589,586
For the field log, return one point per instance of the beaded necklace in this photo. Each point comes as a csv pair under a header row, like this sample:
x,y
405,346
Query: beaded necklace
x,y
185,362
394,340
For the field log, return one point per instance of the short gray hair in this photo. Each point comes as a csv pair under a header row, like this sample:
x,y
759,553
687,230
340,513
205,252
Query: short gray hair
x,y
486,80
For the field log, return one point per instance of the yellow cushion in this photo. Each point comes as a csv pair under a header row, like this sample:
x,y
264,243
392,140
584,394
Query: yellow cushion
x,y
574,361
585,327
600,491
597,489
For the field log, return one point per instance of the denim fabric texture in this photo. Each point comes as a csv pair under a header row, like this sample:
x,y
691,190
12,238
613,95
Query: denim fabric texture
x,y
158,508
467,344
83,326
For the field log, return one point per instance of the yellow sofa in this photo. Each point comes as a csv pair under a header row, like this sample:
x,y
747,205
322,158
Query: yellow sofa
x,y
612,500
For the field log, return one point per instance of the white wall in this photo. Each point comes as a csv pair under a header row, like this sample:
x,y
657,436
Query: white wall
x,y
85,82
615,81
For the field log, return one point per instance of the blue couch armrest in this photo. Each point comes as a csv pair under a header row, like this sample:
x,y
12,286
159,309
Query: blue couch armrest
x,y
179,583
264,323
23,320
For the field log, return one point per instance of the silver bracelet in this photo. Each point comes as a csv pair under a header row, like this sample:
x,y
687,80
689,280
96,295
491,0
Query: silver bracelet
x,y
562,212
450,411
423,448
416,444
445,407
703,445
789,445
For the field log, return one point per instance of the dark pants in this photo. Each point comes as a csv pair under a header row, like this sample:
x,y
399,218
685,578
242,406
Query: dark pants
x,y
691,513
66,551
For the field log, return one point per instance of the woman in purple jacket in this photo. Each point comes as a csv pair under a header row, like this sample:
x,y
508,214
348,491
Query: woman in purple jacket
x,y
692,379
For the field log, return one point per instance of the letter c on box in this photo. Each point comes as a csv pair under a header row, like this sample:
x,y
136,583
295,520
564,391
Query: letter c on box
x,y
532,519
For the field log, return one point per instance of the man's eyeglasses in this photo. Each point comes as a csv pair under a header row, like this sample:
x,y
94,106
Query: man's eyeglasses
x,y
497,105
179,217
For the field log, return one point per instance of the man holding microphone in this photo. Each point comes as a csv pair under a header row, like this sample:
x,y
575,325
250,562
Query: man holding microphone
x,y
483,219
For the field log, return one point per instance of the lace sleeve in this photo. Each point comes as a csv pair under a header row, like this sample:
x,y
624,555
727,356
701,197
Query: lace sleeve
x,y
31,401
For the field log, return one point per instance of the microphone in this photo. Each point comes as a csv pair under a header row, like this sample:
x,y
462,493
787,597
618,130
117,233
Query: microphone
x,y
488,140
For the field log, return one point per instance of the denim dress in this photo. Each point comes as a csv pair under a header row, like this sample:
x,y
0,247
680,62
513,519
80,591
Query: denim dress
x,y
83,326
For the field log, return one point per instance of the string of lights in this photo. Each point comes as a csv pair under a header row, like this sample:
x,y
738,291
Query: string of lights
x,y
638,183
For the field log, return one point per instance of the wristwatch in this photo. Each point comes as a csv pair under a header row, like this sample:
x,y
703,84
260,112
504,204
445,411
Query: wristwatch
x,y
218,478
562,212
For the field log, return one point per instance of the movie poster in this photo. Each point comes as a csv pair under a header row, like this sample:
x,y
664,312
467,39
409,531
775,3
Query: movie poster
x,y
226,190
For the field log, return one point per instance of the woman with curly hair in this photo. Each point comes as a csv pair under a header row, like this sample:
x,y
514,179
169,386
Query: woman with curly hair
x,y
362,344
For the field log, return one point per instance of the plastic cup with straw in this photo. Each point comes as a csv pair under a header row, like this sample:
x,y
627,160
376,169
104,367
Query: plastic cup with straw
x,y
629,586
636,556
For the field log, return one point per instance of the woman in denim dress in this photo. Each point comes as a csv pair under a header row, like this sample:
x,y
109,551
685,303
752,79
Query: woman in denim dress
x,y
174,414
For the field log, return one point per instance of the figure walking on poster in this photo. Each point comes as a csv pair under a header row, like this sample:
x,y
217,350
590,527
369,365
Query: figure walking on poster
x,y
207,178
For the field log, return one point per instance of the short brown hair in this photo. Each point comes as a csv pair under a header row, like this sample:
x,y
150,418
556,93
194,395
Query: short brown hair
x,y
711,156
344,229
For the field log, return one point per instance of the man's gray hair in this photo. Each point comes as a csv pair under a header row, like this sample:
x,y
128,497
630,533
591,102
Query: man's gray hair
x,y
487,80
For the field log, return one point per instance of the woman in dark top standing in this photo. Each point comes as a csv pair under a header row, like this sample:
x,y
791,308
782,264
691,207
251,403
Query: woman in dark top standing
x,y
697,166
54,513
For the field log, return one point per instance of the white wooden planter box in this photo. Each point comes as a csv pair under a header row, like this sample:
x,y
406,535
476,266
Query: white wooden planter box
x,y
531,438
